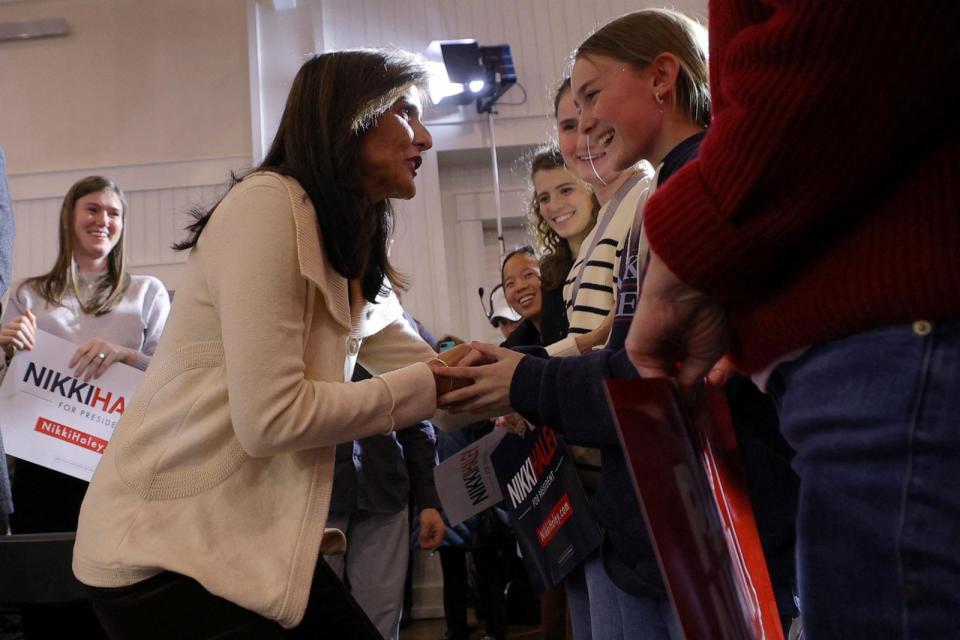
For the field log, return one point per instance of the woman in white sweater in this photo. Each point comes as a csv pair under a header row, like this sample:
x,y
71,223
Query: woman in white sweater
x,y
206,516
89,298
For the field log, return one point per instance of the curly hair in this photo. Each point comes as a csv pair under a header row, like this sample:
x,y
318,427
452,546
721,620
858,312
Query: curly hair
x,y
556,258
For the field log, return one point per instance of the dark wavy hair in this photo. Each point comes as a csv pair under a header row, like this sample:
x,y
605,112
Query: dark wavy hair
x,y
335,99
556,259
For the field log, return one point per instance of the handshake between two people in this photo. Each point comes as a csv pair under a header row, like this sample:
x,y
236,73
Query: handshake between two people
x,y
475,377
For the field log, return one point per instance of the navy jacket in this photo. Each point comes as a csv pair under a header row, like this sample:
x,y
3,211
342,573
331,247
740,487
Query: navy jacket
x,y
378,473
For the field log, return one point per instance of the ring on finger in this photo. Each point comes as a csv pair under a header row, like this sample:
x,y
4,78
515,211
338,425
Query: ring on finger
x,y
102,356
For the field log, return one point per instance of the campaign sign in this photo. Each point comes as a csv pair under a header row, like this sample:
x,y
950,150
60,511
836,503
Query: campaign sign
x,y
51,418
466,483
686,471
548,508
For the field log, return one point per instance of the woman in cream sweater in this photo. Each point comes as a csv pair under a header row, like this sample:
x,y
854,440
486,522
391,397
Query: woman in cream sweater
x,y
206,516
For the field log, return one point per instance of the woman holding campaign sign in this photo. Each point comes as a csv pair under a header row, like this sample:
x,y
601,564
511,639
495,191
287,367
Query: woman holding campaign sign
x,y
88,298
206,517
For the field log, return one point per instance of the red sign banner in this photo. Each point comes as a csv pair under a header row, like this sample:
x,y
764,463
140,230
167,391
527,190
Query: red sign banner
x,y
687,474
69,434
560,513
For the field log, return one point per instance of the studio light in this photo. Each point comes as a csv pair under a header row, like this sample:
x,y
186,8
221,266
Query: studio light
x,y
461,72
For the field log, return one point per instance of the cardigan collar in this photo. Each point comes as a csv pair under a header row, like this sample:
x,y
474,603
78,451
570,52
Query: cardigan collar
x,y
373,317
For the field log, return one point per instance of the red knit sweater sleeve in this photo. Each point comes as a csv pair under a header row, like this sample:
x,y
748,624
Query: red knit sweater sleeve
x,y
816,107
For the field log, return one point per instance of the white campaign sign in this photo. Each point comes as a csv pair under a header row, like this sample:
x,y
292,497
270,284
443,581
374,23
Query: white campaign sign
x,y
466,482
51,418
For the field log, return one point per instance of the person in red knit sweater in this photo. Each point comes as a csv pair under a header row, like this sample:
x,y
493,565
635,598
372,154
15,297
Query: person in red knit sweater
x,y
816,240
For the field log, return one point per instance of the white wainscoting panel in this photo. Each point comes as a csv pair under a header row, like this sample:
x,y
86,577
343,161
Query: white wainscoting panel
x,y
159,199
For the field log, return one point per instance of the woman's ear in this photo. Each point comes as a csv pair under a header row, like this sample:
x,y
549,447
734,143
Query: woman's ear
x,y
664,70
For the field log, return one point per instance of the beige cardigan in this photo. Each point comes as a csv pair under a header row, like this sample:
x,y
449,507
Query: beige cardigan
x,y
221,468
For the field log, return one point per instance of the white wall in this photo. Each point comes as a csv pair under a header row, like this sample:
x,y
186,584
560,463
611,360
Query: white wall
x,y
152,94
279,42
132,83
470,226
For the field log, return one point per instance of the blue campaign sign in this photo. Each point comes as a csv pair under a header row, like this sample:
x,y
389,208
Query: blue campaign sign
x,y
551,517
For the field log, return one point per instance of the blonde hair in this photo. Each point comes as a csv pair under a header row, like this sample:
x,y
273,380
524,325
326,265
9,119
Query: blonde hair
x,y
639,37
63,277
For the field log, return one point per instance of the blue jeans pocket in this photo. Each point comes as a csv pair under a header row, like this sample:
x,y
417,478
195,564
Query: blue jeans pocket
x,y
873,418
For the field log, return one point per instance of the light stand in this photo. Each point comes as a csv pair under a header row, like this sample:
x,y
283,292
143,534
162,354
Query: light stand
x,y
496,186
471,72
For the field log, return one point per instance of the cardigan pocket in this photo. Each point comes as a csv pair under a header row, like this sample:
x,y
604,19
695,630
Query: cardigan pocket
x,y
166,452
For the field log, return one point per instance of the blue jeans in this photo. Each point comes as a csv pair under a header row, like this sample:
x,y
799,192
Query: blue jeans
x,y
617,615
875,421
578,603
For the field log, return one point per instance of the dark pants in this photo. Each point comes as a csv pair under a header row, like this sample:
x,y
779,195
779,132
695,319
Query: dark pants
x,y
491,582
45,500
170,605
48,501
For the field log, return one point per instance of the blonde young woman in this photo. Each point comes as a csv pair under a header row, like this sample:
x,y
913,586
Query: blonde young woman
x,y
590,259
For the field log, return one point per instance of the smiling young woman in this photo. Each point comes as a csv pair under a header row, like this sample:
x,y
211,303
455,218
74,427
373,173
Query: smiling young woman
x,y
589,285
564,204
590,164
87,298
520,276
562,214
637,99
97,224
